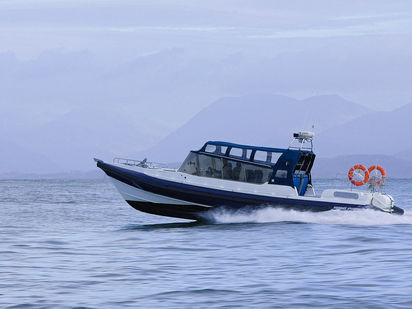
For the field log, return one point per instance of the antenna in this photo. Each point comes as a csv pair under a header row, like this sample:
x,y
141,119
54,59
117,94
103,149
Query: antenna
x,y
301,138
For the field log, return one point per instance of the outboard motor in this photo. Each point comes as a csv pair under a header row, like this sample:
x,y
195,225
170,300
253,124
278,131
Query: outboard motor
x,y
382,201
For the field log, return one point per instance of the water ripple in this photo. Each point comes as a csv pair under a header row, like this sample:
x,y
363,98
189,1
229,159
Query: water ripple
x,y
77,244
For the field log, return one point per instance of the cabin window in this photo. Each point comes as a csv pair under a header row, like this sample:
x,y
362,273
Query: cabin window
x,y
205,166
261,156
223,149
190,165
247,153
223,168
275,157
236,152
281,174
343,194
210,148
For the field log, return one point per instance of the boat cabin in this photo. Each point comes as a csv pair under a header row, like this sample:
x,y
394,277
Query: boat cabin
x,y
258,165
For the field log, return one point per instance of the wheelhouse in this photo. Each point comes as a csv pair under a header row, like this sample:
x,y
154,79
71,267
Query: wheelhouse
x,y
258,165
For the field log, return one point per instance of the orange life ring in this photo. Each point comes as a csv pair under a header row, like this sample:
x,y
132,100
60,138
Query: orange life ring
x,y
359,182
381,170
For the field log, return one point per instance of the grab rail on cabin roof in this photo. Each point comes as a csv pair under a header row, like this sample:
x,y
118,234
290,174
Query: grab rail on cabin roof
x,y
140,163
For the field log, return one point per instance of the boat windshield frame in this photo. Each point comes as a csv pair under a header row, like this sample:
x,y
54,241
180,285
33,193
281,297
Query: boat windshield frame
x,y
282,163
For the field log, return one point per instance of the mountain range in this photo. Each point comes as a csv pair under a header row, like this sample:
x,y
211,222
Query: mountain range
x,y
346,133
380,132
343,129
267,120
338,167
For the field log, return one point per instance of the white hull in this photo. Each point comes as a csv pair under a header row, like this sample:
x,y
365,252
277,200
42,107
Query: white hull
x,y
130,193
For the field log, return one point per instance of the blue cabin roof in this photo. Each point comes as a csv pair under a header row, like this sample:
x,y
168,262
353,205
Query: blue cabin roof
x,y
268,149
225,144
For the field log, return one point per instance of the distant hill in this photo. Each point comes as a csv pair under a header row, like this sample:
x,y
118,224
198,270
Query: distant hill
x,y
405,154
339,166
381,132
92,174
18,159
336,167
74,138
266,120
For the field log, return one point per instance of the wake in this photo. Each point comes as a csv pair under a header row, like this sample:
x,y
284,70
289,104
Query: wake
x,y
366,217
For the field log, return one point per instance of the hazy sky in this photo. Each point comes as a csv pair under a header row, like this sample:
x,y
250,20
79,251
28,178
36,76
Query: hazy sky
x,y
80,68
110,28
366,34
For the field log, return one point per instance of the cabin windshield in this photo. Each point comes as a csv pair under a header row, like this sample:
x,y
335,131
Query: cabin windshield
x,y
226,168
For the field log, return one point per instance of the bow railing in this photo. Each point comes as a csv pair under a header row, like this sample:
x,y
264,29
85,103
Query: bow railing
x,y
139,163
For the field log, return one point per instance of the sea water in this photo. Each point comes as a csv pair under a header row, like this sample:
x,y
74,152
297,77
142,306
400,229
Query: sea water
x,y
76,243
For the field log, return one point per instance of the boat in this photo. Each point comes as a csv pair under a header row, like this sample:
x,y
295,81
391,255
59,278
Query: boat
x,y
233,177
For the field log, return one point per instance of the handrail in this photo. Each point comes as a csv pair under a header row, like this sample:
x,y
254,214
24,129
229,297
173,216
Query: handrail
x,y
140,163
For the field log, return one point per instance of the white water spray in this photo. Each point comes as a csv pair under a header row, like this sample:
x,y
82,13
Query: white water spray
x,y
366,217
